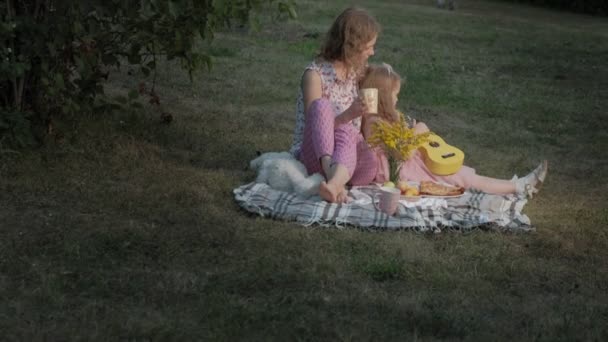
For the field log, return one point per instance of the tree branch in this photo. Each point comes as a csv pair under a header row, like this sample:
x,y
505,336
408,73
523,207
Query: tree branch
x,y
9,10
11,14
5,97
37,8
20,88
15,96
154,59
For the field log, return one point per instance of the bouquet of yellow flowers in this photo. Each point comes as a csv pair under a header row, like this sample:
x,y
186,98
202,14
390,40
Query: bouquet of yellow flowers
x,y
398,140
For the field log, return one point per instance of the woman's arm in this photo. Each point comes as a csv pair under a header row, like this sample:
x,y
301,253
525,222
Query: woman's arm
x,y
312,90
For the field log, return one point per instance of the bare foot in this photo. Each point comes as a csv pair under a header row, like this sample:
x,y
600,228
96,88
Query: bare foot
x,y
329,192
343,196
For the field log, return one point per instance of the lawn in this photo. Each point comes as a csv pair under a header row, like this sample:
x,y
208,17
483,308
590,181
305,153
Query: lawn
x,y
126,228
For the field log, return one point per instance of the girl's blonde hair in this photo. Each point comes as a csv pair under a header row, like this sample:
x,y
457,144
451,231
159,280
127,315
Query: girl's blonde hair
x,y
347,37
386,80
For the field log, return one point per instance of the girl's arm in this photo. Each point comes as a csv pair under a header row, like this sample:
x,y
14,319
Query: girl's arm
x,y
368,125
420,127
312,90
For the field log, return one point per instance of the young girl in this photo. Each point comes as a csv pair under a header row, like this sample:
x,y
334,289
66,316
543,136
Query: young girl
x,y
327,136
388,83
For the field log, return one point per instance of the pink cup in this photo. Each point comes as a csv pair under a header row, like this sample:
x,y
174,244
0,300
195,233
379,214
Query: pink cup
x,y
388,200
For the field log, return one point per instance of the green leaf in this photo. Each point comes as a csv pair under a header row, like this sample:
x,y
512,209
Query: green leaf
x,y
52,49
75,106
77,27
93,26
134,58
134,54
178,42
219,6
255,24
135,48
173,8
121,99
292,12
208,61
59,81
80,66
288,8
109,59
136,105
133,94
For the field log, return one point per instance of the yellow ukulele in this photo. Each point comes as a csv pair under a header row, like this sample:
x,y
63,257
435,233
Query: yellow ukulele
x,y
441,158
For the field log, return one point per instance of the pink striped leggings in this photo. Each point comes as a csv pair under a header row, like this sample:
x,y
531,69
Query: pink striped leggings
x,y
344,143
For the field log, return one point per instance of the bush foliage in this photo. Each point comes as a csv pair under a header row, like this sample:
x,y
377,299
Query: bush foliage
x,y
55,55
595,7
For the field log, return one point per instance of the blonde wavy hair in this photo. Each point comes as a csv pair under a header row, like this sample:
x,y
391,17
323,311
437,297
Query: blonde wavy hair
x,y
386,80
347,37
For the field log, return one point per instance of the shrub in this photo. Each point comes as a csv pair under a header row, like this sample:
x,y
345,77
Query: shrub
x,y
56,54
595,7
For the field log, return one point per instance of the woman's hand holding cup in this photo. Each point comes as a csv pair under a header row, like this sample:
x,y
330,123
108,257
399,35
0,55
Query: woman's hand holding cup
x,y
365,103
357,108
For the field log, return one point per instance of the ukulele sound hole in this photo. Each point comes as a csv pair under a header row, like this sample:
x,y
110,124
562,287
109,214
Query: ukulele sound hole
x,y
434,144
448,155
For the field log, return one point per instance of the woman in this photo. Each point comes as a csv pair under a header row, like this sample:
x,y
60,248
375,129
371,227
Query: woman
x,y
327,137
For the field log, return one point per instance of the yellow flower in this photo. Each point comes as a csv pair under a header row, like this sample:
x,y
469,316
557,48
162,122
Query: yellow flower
x,y
397,140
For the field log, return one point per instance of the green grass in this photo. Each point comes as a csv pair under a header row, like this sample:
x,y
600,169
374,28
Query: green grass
x,y
127,230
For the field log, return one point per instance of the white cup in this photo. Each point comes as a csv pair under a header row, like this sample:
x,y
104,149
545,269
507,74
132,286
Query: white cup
x,y
370,97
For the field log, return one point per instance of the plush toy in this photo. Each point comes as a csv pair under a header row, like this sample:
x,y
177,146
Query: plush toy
x,y
283,172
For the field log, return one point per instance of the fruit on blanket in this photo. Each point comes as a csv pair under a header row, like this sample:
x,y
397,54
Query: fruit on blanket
x,y
403,186
412,192
389,184
407,189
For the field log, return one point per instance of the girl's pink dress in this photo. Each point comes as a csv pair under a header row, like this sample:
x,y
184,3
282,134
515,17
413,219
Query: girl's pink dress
x,y
414,169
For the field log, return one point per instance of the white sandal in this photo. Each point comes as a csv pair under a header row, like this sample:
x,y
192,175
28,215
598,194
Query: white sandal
x,y
530,185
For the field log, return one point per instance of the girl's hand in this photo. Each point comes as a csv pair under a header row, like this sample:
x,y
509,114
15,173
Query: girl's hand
x,y
420,127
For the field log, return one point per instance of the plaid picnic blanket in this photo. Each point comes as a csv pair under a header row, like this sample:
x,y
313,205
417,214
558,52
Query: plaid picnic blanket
x,y
472,210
